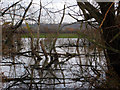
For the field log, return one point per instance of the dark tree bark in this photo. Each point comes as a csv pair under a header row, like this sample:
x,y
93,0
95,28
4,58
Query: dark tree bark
x,y
109,30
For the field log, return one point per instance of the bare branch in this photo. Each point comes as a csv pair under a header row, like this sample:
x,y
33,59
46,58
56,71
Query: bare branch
x,y
10,7
26,10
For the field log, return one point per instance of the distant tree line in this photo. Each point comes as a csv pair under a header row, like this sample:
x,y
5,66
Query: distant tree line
x,y
47,29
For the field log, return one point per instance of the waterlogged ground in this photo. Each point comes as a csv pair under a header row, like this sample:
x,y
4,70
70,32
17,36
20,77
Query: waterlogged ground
x,y
79,64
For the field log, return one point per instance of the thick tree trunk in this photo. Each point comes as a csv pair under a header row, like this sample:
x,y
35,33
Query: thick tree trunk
x,y
113,57
109,32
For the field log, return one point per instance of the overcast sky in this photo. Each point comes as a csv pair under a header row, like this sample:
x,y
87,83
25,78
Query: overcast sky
x,y
53,5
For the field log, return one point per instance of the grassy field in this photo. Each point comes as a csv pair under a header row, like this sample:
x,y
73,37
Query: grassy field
x,y
62,35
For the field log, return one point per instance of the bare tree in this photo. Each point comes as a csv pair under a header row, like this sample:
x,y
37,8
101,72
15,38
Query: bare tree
x,y
107,19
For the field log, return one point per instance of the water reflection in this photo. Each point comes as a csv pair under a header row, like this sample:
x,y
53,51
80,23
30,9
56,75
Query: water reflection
x,y
70,63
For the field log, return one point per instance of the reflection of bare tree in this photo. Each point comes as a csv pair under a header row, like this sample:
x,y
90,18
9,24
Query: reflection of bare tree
x,y
43,68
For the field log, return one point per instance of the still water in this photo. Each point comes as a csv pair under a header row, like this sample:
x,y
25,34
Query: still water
x,y
78,64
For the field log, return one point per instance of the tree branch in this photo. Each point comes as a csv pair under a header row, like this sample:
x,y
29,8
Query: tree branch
x,y
26,10
10,7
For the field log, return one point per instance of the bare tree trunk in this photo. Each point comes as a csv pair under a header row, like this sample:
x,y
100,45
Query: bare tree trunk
x,y
106,20
109,32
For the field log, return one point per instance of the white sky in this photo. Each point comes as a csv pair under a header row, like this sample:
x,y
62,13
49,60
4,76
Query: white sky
x,y
57,5
53,6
